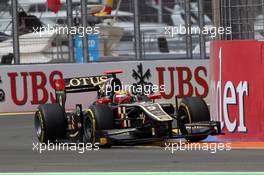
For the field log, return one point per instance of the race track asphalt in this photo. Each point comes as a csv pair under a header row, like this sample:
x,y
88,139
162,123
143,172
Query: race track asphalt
x,y
16,155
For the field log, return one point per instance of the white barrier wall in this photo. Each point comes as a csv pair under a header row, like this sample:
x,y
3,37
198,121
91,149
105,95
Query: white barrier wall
x,y
27,86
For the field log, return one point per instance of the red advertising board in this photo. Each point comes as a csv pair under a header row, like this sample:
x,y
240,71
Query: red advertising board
x,y
237,88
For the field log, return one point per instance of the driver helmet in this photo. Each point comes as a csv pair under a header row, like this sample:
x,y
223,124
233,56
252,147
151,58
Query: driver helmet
x,y
122,97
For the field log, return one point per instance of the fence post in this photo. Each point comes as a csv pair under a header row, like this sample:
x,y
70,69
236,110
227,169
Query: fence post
x,y
138,46
201,26
188,26
84,24
70,24
15,32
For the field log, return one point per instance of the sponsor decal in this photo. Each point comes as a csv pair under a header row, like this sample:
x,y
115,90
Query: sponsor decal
x,y
85,83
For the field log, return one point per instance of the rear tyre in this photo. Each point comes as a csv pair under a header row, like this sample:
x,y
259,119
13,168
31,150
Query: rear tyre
x,y
50,123
195,110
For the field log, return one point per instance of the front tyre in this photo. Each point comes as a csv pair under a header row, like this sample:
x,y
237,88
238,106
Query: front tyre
x,y
89,127
97,117
195,110
50,123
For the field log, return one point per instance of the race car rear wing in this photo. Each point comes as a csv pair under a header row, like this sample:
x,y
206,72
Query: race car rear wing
x,y
78,85
83,84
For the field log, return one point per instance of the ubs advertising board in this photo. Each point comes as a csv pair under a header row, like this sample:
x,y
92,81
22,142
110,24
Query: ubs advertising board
x,y
23,88
237,88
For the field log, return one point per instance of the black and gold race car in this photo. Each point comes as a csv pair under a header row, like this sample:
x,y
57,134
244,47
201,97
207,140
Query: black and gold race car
x,y
118,118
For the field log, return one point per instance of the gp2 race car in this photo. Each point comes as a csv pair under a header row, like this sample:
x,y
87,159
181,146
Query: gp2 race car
x,y
118,118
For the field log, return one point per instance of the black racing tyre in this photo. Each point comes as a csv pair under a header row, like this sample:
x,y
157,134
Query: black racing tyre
x,y
50,123
97,117
103,114
196,110
89,127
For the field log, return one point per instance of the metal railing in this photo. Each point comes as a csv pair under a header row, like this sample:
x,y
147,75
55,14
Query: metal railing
x,y
150,42
244,17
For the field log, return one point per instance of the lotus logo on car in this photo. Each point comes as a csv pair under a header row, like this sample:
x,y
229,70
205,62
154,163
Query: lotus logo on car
x,y
85,81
